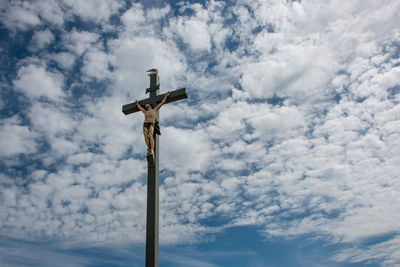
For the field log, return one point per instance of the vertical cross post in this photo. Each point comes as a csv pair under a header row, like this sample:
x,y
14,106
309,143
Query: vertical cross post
x,y
152,166
152,190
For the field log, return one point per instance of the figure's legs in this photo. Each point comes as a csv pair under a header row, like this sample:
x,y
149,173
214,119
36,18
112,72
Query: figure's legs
x,y
151,139
146,138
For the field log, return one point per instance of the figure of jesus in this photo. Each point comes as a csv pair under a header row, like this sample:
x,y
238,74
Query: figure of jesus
x,y
150,123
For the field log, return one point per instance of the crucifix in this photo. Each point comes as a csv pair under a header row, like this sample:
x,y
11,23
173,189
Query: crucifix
x,y
152,161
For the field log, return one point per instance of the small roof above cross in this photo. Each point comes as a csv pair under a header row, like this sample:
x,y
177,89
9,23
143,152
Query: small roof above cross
x,y
153,71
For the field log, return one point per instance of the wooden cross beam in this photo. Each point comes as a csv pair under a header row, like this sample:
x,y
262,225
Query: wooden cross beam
x,y
174,96
152,166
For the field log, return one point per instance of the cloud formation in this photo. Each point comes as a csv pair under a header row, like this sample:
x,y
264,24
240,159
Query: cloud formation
x,y
292,123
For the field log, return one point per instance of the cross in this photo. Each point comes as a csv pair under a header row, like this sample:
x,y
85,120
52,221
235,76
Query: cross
x,y
153,163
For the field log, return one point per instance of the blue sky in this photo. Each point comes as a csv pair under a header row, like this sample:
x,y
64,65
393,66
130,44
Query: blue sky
x,y
285,154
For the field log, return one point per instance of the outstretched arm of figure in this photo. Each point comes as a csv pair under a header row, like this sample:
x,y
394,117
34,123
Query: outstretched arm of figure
x,y
162,102
140,107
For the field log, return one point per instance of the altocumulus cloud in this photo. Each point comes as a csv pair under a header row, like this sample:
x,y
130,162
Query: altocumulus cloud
x,y
292,123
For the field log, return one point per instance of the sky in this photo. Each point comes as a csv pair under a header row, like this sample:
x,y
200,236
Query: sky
x,y
286,153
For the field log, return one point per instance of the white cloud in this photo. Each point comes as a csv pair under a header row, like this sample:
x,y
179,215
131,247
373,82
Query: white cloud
x,y
81,158
385,252
296,71
96,64
133,17
24,15
203,30
97,10
19,15
16,138
64,59
109,128
282,122
194,33
35,81
52,120
53,123
157,13
177,144
50,11
41,39
21,253
79,41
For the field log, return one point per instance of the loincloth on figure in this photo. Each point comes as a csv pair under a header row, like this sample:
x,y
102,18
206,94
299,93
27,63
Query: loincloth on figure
x,y
155,125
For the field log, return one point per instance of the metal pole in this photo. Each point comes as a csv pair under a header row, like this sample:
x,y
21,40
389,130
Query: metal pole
x,y
152,194
152,213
